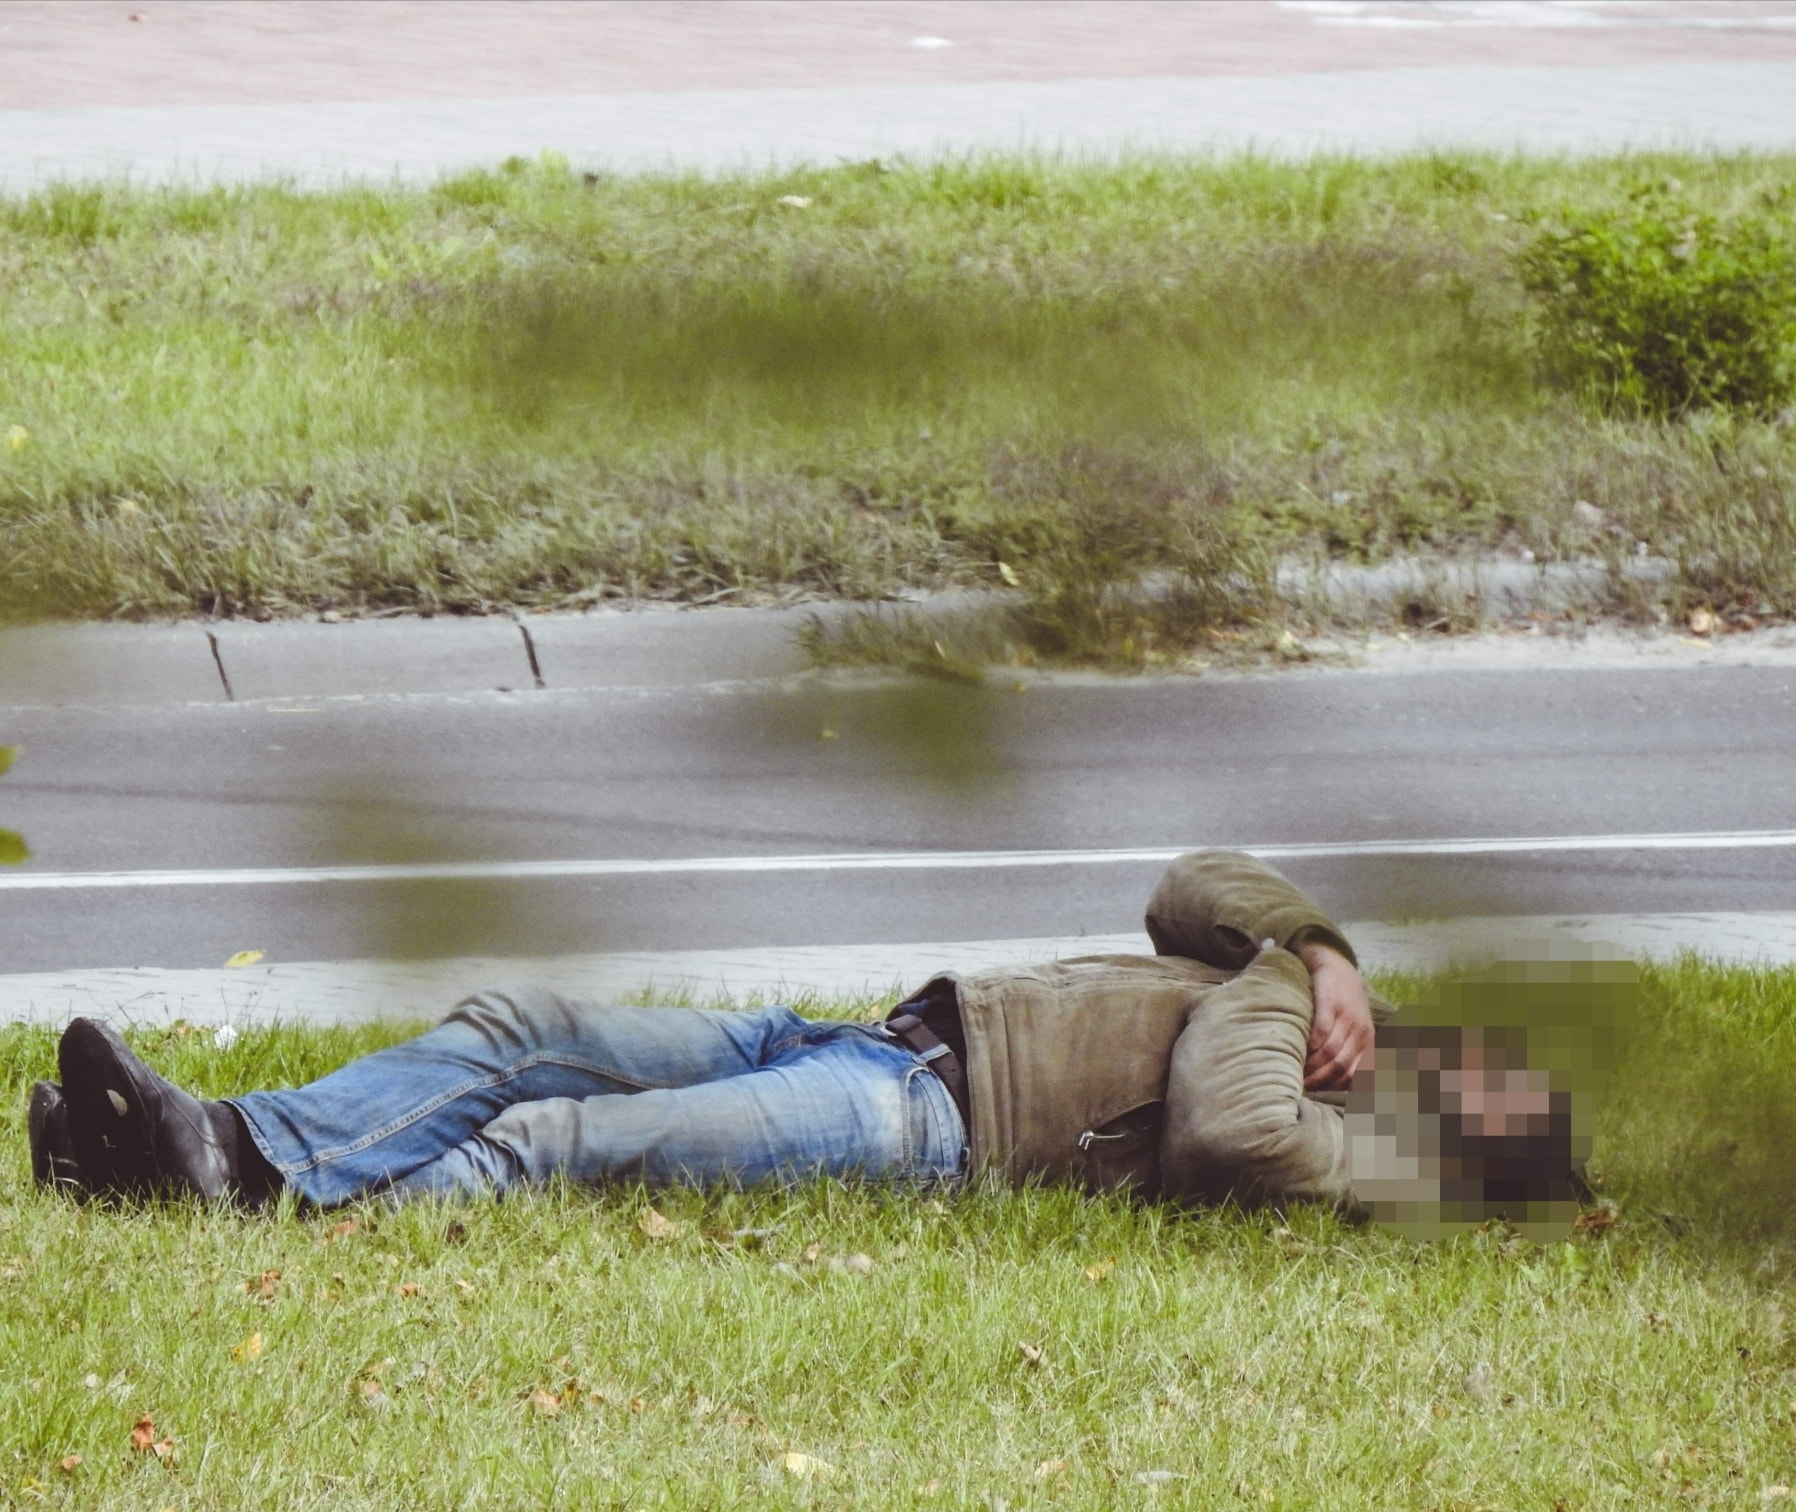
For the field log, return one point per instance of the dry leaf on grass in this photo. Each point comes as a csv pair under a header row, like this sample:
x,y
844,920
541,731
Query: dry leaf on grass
x,y
1597,1220
1034,1354
264,1285
69,1464
407,1289
544,1403
657,1226
144,1440
249,1349
342,1230
807,1467
1099,1270
1289,1244
1049,1468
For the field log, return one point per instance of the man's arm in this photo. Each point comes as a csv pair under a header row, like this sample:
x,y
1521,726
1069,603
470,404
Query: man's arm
x,y
1237,1121
1224,907
1341,1031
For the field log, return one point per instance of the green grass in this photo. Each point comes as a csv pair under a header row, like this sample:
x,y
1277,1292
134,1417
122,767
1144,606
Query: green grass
x,y
525,387
1303,1364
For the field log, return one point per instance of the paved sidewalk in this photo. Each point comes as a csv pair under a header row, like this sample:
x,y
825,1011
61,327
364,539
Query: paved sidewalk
x,y
1727,106
318,93
361,991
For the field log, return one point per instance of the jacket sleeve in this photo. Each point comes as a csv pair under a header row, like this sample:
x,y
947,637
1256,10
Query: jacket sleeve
x,y
1219,907
1237,1122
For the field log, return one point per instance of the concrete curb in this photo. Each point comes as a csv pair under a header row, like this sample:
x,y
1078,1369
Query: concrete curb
x,y
354,992
87,666
104,665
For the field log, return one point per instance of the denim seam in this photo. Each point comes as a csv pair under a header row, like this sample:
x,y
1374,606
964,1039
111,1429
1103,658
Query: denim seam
x,y
908,1161
940,1123
530,1063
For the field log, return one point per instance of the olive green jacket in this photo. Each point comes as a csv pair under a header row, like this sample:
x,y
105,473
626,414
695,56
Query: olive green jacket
x,y
1180,1074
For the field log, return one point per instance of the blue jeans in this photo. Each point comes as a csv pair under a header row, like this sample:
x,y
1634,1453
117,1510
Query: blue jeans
x,y
519,1085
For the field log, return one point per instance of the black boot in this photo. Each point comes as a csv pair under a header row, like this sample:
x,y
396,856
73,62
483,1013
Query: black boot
x,y
132,1131
53,1162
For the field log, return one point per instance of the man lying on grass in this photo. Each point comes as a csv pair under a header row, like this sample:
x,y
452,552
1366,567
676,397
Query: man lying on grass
x,y
1223,1066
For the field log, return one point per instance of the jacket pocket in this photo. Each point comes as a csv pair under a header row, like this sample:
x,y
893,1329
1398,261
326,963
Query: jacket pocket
x,y
1121,1152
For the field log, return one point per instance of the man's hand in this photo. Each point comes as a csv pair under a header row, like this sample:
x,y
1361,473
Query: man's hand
x,y
1341,1032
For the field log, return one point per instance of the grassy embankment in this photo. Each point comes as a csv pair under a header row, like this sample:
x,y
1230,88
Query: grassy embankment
x,y
523,388
553,1350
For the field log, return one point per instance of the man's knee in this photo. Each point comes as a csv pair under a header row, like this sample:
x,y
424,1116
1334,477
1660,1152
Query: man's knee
x,y
515,1015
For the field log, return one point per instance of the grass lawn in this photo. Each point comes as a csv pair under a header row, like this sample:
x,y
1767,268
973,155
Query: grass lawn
x,y
1016,1349
528,387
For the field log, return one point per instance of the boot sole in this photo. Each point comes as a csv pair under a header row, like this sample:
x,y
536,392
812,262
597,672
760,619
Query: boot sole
x,y
113,1148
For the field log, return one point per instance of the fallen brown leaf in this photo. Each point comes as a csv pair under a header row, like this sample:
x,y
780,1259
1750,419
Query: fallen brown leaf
x,y
249,1349
69,1464
407,1289
657,1226
544,1403
144,1440
1098,1270
1597,1220
342,1230
1033,1353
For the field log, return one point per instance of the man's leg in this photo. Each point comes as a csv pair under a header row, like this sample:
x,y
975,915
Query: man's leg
x,y
381,1118
841,1100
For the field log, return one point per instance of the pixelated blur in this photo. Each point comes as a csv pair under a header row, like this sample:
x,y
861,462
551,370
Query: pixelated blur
x,y
1478,1102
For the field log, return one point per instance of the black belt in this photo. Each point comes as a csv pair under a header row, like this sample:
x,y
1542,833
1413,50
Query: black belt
x,y
911,1032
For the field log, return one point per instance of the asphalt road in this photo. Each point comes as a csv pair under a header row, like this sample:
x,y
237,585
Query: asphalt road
x,y
1320,758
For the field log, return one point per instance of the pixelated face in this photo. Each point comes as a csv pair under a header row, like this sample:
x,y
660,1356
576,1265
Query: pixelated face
x,y
1419,1121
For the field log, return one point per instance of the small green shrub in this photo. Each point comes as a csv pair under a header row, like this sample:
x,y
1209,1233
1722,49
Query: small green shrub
x,y
1656,309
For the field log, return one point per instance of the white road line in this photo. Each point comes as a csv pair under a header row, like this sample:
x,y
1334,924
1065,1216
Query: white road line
x,y
524,871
